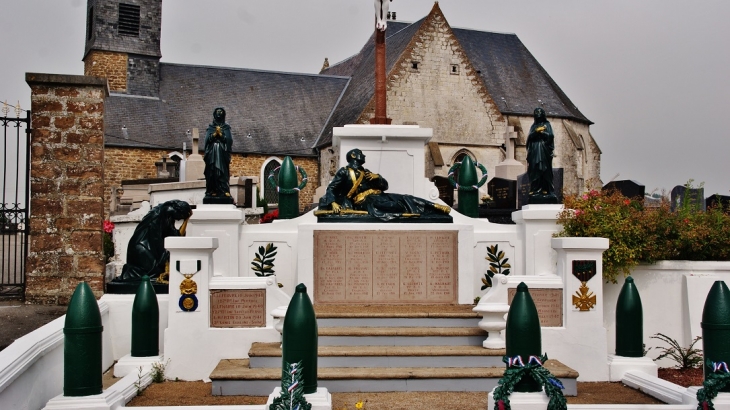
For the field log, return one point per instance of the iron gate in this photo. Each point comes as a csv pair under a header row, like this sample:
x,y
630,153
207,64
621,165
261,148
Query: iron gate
x,y
14,220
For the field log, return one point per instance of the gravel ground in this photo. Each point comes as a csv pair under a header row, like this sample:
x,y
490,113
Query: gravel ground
x,y
198,393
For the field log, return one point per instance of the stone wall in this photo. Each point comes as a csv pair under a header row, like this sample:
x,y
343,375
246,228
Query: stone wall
x,y
139,163
435,86
111,65
66,186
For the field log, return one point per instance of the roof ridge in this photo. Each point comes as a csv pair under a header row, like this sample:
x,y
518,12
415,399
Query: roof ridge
x,y
255,70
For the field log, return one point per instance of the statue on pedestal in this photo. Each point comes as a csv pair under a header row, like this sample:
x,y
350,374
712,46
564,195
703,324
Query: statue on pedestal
x,y
540,148
218,144
355,191
146,253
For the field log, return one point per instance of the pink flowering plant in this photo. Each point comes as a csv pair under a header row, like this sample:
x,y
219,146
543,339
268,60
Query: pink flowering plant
x,y
638,234
108,242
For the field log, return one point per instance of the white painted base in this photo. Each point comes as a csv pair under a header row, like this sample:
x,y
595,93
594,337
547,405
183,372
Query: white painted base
x,y
129,364
321,400
110,399
619,365
522,401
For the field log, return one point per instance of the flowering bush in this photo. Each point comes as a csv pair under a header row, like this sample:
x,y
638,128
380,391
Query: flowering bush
x,y
108,243
269,217
638,234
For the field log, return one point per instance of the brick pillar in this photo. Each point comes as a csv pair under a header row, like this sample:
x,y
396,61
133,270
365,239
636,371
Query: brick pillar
x,y
66,186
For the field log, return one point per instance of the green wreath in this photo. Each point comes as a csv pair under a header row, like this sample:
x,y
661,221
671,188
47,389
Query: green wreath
x,y
288,191
481,182
714,382
517,369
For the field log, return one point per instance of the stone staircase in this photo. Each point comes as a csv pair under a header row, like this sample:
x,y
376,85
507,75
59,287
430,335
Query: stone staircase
x,y
385,348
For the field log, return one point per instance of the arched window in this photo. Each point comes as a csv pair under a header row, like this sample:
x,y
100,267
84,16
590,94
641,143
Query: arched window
x,y
270,195
460,157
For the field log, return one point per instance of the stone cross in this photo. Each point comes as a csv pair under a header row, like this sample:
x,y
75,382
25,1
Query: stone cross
x,y
195,149
509,142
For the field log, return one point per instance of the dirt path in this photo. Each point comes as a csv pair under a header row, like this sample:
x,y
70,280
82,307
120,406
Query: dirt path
x,y
198,393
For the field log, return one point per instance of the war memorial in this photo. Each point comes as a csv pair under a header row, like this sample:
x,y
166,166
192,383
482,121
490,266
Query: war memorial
x,y
382,287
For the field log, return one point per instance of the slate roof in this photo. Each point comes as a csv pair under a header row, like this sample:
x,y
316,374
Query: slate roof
x,y
513,77
284,113
290,113
515,80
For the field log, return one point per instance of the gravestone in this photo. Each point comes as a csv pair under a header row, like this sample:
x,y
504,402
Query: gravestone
x,y
716,201
627,188
446,191
523,187
503,192
694,197
238,308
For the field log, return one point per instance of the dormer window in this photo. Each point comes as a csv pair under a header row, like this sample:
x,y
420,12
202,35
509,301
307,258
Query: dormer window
x,y
128,24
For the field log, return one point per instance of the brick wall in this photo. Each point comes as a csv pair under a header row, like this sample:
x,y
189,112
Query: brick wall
x,y
111,65
139,163
66,186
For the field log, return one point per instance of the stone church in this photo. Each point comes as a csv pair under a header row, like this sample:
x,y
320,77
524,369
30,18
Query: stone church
x,y
470,86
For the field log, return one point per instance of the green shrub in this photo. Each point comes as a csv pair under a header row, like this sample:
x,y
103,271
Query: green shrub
x,y
638,234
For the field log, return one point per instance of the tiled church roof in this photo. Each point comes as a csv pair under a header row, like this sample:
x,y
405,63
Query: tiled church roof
x,y
515,80
284,113
289,113
513,77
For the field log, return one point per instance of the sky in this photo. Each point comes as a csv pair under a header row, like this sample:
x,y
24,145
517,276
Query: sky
x,y
651,74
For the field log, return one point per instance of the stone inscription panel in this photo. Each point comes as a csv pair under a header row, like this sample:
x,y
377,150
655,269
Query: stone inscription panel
x,y
549,304
238,308
385,267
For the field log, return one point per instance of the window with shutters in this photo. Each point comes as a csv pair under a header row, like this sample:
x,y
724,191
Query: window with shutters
x,y
128,24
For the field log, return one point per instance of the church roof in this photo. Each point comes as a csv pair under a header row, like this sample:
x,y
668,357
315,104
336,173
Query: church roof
x,y
278,113
514,79
269,112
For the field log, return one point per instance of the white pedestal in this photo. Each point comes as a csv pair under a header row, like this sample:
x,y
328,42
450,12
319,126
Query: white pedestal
x,y
590,356
522,401
222,222
537,224
493,307
394,151
619,365
129,364
509,169
108,400
321,400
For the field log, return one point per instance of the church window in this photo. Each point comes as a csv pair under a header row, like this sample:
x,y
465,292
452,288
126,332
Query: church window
x,y
270,194
414,65
455,69
90,23
128,23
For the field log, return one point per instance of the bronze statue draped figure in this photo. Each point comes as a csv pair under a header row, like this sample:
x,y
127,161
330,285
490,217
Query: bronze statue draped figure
x,y
355,190
146,253
540,148
218,145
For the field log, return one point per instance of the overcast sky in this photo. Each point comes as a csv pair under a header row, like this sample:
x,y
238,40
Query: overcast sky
x,y
652,75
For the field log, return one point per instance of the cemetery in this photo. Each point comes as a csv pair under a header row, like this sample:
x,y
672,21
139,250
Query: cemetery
x,y
375,284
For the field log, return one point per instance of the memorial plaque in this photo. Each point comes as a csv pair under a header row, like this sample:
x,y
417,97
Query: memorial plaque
x,y
238,308
503,192
549,303
385,267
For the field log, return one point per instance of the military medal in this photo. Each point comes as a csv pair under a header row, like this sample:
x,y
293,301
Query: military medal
x,y
188,288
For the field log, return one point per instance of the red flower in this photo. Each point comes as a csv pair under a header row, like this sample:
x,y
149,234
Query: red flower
x,y
626,201
269,217
594,192
108,227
